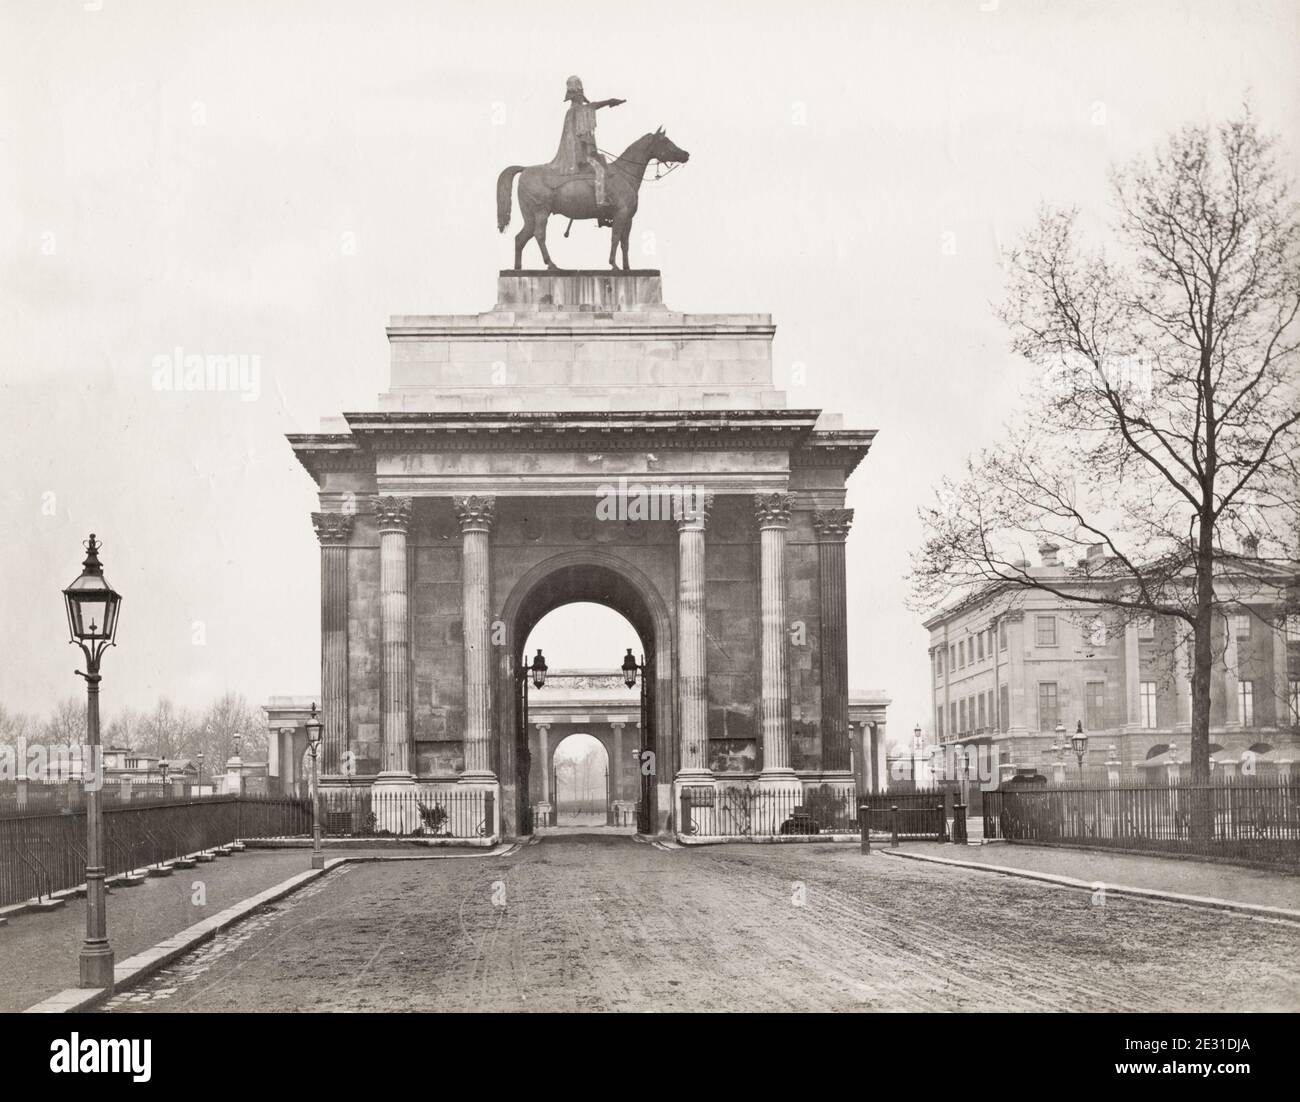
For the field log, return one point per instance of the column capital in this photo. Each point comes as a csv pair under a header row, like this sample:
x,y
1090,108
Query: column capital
x,y
332,527
773,510
393,514
692,512
832,525
475,513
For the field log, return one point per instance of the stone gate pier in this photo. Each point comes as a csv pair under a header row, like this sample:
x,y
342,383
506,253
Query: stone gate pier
x,y
582,441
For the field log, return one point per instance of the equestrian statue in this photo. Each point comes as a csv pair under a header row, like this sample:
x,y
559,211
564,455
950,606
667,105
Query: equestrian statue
x,y
578,184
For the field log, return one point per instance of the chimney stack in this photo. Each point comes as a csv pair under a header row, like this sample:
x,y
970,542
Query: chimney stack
x,y
1050,553
1250,546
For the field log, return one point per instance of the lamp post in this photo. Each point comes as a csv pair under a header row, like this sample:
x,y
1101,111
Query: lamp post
x,y
537,671
632,669
200,783
314,726
92,606
164,767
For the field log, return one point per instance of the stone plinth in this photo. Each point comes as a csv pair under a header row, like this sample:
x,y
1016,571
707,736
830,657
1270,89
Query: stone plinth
x,y
598,289
581,341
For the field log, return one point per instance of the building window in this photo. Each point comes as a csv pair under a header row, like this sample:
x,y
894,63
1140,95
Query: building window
x,y
962,727
1293,628
1002,635
938,658
1147,702
1004,707
1241,626
981,711
1246,703
1048,712
1094,705
1146,626
940,722
952,718
980,640
1295,701
1045,631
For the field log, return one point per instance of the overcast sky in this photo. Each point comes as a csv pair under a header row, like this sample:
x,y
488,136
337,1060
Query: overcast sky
x,y
276,179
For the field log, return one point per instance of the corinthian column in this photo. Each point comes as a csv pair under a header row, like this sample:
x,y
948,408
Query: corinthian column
x,y
393,518
692,668
476,515
832,528
333,530
773,513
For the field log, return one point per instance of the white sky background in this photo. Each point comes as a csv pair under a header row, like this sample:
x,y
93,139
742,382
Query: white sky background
x,y
183,174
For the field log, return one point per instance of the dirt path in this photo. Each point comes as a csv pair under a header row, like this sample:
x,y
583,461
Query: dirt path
x,y
604,923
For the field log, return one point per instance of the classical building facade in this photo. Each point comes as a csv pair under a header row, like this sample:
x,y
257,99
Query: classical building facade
x,y
583,442
1008,666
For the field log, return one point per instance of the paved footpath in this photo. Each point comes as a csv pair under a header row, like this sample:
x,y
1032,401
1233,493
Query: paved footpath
x,y
605,923
1201,878
38,952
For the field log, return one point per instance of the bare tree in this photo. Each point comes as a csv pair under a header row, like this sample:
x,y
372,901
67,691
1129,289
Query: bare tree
x,y
1166,426
15,726
124,729
215,730
66,725
166,730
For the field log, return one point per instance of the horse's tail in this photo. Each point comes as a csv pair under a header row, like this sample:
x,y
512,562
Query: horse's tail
x,y
505,184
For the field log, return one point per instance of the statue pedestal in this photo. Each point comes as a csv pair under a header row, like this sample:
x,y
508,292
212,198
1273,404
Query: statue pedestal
x,y
577,341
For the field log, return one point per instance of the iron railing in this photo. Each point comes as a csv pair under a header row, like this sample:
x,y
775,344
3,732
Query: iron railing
x,y
919,814
429,811
746,811
1247,819
45,852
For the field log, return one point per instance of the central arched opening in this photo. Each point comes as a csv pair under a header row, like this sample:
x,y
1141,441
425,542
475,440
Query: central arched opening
x,y
586,611
584,722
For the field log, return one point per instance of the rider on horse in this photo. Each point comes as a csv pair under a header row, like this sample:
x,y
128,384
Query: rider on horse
x,y
578,139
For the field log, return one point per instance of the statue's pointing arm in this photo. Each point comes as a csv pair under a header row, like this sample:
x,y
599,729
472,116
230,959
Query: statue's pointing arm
x,y
608,103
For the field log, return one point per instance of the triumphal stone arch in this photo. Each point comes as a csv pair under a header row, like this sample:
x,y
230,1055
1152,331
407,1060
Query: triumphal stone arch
x,y
582,441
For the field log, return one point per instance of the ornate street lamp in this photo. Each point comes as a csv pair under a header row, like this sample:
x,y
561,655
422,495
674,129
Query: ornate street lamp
x,y
630,669
164,767
92,606
200,782
538,669
1079,744
313,744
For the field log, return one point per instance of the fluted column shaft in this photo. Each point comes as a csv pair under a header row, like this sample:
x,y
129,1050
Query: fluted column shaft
x,y
832,528
692,667
333,530
773,513
393,518
476,515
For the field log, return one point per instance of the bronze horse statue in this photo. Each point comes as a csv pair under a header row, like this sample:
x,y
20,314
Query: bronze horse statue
x,y
543,191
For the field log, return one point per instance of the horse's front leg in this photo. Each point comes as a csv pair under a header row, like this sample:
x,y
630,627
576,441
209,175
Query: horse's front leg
x,y
618,235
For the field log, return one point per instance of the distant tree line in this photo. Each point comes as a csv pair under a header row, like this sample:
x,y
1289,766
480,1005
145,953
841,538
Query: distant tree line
x,y
166,730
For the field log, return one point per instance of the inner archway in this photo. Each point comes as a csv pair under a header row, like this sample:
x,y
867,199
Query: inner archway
x,y
580,769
